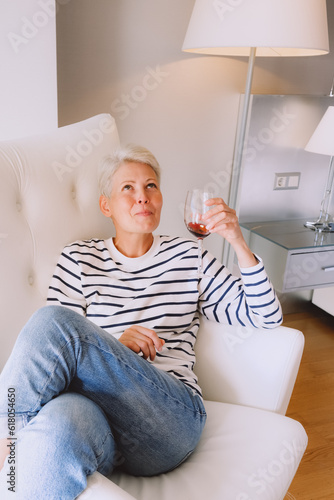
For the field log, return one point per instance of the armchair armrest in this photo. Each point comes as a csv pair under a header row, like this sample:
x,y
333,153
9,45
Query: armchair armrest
x,y
248,366
101,488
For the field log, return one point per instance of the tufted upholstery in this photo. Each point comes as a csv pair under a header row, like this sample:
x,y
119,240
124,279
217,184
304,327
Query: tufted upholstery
x,y
48,198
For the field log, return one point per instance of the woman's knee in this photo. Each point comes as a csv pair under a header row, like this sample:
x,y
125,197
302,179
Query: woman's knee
x,y
72,427
48,316
45,324
71,414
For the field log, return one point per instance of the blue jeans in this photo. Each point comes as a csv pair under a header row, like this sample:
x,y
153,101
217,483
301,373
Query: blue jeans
x,y
85,402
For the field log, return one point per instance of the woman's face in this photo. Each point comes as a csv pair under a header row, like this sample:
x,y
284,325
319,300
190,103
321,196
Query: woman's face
x,y
135,201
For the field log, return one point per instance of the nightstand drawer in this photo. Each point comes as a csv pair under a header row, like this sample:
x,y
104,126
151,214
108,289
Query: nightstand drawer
x,y
309,269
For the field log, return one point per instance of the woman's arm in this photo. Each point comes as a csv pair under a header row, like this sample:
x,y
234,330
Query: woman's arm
x,y
65,286
247,301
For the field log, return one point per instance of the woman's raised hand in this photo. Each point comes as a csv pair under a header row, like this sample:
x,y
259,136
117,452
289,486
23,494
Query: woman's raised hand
x,y
222,219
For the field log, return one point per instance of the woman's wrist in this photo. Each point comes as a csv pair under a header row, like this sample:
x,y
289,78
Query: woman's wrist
x,y
245,256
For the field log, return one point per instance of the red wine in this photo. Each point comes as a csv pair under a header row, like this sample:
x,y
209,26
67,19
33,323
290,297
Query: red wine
x,y
199,230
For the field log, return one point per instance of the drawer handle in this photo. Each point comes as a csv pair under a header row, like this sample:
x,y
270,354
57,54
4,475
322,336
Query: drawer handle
x,y
327,269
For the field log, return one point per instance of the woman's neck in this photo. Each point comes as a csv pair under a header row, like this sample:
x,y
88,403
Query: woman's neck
x,y
134,245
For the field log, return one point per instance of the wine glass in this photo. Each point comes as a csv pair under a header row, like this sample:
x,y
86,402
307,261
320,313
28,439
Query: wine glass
x,y
194,209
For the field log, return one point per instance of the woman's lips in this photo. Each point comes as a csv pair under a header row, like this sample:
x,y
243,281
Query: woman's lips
x,y
144,214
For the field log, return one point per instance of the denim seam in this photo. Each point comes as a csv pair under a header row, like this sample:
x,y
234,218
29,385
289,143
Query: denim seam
x,y
100,452
55,364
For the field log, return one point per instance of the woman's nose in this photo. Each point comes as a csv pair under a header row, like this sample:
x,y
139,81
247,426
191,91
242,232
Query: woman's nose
x,y
142,197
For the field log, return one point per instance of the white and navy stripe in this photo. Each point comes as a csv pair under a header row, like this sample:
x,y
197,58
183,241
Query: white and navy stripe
x,y
161,291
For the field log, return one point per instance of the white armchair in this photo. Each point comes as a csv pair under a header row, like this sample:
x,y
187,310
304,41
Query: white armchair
x,y
249,450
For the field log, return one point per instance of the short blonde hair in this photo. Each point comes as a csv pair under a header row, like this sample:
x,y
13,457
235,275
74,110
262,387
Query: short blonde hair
x,y
131,153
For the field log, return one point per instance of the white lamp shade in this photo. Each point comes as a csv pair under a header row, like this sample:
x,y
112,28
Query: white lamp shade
x,y
322,140
274,27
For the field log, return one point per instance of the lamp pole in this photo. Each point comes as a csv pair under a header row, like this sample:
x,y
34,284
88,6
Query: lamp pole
x,y
239,149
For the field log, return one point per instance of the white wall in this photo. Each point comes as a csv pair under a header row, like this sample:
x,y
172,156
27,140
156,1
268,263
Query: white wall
x,y
28,83
280,127
124,57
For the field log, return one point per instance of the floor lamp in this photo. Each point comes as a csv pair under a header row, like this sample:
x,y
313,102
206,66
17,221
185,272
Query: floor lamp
x,y
322,142
256,28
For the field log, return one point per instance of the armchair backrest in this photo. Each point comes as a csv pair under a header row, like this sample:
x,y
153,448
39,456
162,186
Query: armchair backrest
x,y
48,198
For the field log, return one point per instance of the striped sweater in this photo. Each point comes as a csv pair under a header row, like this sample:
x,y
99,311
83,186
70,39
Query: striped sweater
x,y
161,291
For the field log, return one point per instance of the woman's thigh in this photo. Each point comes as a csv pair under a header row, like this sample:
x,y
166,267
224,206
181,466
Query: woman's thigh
x,y
157,423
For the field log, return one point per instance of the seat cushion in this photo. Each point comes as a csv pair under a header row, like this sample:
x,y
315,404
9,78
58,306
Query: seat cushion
x,y
244,454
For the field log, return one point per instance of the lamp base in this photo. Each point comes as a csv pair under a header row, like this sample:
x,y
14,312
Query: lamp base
x,y
326,227
323,224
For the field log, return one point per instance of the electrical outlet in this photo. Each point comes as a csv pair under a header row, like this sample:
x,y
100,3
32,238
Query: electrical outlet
x,y
287,180
280,181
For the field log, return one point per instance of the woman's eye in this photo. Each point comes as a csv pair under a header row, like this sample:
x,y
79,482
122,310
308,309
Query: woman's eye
x,y
152,185
127,187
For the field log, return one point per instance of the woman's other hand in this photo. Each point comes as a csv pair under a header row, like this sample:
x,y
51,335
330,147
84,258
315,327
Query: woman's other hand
x,y
141,339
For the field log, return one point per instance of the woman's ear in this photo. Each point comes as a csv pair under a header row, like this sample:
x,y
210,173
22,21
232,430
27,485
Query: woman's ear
x,y
104,205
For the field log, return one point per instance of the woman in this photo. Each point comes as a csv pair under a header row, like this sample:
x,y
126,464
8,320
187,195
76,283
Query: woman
x,y
104,374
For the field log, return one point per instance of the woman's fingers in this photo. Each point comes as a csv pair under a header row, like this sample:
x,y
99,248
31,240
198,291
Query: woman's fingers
x,y
222,219
220,215
141,339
